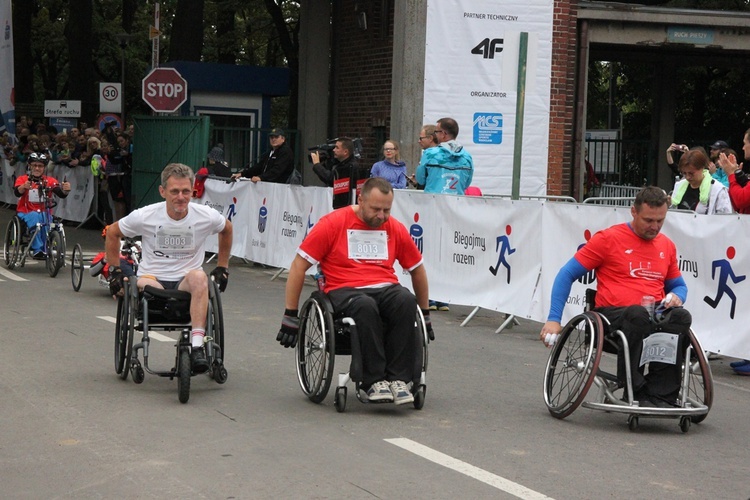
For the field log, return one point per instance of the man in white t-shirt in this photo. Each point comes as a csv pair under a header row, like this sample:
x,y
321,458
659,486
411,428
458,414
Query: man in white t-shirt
x,y
174,234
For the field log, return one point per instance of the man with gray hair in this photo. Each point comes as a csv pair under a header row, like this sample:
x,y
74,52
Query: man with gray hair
x,y
174,234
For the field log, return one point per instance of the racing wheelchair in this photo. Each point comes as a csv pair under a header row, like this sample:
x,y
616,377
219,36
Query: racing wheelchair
x,y
130,255
323,334
166,310
18,238
576,363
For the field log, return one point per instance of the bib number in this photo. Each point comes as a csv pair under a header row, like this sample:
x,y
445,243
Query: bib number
x,y
660,347
367,245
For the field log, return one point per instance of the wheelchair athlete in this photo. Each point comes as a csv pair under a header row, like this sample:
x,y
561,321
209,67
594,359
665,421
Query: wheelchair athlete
x,y
30,207
356,247
174,234
633,260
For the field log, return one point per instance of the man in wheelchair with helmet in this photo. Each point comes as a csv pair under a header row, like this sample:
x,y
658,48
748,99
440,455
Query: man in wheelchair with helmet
x,y
355,247
633,261
30,207
174,234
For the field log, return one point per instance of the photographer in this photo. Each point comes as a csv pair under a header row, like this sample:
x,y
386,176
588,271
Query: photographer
x,y
343,166
739,191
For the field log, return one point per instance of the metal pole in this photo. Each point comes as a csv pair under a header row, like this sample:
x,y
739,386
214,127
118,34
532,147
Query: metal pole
x,y
520,105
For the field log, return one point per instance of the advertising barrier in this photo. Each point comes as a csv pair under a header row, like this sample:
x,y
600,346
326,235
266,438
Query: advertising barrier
x,y
504,255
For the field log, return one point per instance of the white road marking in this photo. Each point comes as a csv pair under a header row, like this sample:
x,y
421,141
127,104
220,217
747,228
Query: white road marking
x,y
493,480
11,276
152,335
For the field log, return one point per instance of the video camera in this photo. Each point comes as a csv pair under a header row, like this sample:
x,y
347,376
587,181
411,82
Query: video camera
x,y
325,151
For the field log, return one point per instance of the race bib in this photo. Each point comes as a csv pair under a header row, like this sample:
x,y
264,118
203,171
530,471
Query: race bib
x,y
660,347
175,240
34,195
367,245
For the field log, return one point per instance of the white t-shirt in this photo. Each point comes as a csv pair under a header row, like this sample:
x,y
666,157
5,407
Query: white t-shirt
x,y
171,248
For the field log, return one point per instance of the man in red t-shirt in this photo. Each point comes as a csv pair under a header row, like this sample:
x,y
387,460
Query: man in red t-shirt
x,y
355,247
632,260
29,189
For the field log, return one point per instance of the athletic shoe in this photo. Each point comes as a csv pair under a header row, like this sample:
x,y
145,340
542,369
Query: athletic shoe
x,y
380,392
40,256
737,364
743,370
433,305
198,360
401,393
444,308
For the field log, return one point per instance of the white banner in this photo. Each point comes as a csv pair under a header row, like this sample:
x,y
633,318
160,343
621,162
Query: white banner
x,y
504,255
269,220
10,173
471,75
7,109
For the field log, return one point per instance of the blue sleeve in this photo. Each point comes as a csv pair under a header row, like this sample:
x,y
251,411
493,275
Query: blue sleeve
x,y
570,272
678,287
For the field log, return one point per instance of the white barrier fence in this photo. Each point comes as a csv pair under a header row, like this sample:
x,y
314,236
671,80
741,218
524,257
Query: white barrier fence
x,y
74,208
503,255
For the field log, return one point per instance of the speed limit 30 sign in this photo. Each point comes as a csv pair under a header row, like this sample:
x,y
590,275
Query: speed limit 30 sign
x,y
110,97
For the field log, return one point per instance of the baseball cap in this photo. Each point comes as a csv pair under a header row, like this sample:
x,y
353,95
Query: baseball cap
x,y
276,131
719,145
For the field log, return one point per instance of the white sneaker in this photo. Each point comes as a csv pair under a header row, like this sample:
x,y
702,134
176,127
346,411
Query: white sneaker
x,y
380,392
401,393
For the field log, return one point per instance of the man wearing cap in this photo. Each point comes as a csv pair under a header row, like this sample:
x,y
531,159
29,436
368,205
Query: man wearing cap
x,y
713,166
276,165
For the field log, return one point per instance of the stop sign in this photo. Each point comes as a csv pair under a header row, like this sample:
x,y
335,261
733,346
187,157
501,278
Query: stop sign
x,y
164,90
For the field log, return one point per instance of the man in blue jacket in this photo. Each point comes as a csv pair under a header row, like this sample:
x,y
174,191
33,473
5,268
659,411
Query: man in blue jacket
x,y
448,168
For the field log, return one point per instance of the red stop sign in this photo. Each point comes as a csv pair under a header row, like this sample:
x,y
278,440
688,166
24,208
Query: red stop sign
x,y
164,90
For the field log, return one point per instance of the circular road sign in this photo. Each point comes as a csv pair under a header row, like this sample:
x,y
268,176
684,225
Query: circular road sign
x,y
164,90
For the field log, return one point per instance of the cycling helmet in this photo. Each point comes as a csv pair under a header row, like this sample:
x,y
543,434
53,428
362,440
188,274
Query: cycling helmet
x,y
37,158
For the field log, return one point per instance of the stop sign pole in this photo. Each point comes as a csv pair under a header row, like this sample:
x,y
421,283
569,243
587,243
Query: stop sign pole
x,y
164,90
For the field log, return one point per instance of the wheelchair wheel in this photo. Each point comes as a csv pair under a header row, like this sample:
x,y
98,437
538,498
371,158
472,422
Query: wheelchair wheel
x,y
217,317
76,268
125,329
700,384
55,252
315,351
12,243
573,363
422,331
183,374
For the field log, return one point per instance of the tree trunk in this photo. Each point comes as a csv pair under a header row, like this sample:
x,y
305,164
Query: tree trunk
x,y
289,41
186,43
78,35
23,67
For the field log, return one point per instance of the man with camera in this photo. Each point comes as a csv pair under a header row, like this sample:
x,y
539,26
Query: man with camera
x,y
276,165
739,191
340,172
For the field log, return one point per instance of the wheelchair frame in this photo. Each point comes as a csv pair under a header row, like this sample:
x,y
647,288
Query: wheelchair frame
x,y
574,365
17,243
322,336
135,305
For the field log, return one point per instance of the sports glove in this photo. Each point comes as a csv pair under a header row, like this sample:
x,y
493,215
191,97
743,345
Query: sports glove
x,y
221,277
428,324
287,335
116,278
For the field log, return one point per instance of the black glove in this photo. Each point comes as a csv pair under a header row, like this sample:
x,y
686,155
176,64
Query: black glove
x,y
287,335
428,324
221,277
116,278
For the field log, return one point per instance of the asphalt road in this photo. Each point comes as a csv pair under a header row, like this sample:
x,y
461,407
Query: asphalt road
x,y
73,429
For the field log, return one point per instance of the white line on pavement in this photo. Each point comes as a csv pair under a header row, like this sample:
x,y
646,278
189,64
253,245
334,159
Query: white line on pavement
x,y
11,276
151,335
457,465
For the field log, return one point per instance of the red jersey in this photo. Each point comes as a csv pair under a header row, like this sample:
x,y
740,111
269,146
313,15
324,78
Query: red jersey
x,y
628,266
30,200
352,254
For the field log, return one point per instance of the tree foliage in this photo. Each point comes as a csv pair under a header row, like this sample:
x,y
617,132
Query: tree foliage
x,y
64,48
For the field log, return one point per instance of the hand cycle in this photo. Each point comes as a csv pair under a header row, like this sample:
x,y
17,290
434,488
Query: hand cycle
x,y
18,238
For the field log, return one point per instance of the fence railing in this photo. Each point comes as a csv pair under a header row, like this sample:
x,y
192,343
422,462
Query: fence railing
x,y
622,162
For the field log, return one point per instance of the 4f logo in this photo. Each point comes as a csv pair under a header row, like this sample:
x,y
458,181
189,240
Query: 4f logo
x,y
488,48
